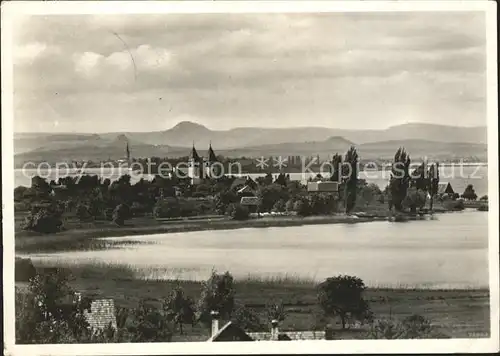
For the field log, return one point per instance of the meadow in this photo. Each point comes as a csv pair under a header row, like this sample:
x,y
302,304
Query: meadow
x,y
453,313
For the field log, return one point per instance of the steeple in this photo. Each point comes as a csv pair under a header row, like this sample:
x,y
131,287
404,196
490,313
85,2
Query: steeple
x,y
211,154
194,155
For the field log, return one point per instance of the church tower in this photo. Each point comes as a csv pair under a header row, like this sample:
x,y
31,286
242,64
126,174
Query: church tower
x,y
211,168
195,166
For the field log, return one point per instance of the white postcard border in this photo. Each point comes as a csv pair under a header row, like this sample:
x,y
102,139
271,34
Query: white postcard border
x,y
11,10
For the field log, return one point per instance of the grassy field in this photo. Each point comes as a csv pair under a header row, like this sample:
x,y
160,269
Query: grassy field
x,y
454,313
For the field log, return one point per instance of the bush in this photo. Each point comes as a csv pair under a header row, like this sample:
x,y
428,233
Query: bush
x,y
412,327
24,269
279,206
302,208
247,319
44,221
289,205
484,198
120,214
167,208
454,205
83,212
138,209
238,212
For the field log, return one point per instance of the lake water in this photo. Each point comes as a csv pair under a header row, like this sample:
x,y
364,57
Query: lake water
x,y
449,251
459,177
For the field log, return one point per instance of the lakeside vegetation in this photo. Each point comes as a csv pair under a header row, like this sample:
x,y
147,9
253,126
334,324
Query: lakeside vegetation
x,y
448,313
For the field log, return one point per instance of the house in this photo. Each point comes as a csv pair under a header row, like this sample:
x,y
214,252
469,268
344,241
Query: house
x,y
322,187
251,202
445,188
101,314
238,183
246,191
232,332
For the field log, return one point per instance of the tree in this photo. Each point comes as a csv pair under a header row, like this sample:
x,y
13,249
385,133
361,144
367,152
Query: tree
x,y
336,168
400,179
44,220
414,200
40,187
469,193
149,325
50,312
270,194
120,214
419,178
223,199
369,192
342,296
179,308
350,178
217,294
433,176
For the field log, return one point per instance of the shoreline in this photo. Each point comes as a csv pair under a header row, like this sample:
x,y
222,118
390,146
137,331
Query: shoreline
x,y
94,237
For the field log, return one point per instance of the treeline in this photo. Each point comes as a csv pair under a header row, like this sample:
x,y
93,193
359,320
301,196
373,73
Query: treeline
x,y
91,198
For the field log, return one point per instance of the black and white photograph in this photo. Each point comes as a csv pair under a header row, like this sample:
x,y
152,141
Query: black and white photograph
x,y
178,174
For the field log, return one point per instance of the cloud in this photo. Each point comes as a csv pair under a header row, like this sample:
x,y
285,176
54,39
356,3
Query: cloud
x,y
230,69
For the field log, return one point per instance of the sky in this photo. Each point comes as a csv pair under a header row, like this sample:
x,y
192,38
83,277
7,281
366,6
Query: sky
x,y
107,73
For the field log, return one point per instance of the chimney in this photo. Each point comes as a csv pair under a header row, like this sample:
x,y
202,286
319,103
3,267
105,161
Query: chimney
x,y
215,321
274,330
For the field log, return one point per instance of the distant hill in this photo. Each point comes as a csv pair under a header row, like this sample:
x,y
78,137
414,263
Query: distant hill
x,y
375,150
252,142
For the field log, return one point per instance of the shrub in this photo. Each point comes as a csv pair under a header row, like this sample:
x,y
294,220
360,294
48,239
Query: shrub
x,y
275,311
247,319
454,205
238,212
342,296
302,208
44,221
484,198
138,209
279,206
24,269
83,212
120,214
167,208
289,205
412,327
